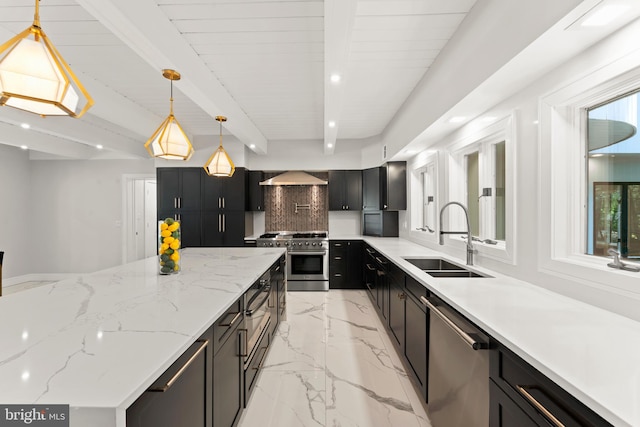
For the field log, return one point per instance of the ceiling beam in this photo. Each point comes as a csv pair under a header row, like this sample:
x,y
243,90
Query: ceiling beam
x,y
143,27
339,18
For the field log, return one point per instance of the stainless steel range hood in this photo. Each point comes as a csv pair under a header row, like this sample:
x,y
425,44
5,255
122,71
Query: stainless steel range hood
x,y
294,178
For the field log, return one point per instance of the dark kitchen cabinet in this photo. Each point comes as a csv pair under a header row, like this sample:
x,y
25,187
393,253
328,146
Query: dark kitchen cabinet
x,y
385,188
380,223
255,199
182,395
416,347
369,271
223,228
179,189
382,287
227,368
345,190
345,264
397,297
522,396
225,193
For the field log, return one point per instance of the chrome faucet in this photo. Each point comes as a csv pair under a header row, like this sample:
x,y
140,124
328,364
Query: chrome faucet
x,y
619,264
470,249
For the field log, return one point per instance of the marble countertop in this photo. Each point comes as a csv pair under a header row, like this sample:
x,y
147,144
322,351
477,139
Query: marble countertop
x,y
98,341
592,353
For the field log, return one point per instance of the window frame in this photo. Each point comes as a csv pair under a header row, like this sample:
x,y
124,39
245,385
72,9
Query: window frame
x,y
562,171
484,140
423,161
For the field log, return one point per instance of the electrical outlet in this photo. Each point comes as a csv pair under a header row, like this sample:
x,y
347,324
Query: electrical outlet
x,y
486,191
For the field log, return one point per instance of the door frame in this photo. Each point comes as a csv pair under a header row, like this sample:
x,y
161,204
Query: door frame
x,y
128,181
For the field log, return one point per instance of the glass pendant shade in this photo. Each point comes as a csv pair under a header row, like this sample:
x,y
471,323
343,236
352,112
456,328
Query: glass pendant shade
x,y
220,164
35,78
169,141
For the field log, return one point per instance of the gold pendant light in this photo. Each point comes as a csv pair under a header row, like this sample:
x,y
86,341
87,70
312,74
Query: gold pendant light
x,y
35,78
220,164
169,141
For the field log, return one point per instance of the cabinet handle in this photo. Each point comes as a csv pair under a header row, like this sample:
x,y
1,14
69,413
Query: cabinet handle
x,y
234,320
384,207
337,245
402,295
370,267
371,251
243,343
337,275
368,286
179,202
522,389
257,368
347,207
381,273
337,258
381,261
474,344
219,224
224,222
223,203
175,203
184,367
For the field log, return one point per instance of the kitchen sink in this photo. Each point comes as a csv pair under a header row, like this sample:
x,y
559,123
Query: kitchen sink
x,y
442,268
434,264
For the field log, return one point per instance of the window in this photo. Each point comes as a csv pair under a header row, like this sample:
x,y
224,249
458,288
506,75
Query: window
x,y
613,177
429,198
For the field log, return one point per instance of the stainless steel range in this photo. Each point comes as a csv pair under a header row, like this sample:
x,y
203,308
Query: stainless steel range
x,y
307,258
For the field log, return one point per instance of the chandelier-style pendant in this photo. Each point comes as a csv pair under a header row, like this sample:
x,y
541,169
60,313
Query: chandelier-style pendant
x,y
169,141
220,164
35,78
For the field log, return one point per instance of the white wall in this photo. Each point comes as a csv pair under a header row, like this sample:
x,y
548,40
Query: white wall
x,y
15,211
528,172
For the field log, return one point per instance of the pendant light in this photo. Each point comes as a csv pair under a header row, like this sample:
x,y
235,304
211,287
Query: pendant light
x,y
35,78
169,141
220,164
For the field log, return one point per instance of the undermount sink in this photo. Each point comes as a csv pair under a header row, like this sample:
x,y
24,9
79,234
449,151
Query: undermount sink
x,y
442,268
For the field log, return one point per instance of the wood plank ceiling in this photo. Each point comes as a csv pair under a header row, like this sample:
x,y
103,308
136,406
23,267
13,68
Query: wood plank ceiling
x,y
263,63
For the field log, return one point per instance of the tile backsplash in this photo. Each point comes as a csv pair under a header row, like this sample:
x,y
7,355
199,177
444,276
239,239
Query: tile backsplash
x,y
312,203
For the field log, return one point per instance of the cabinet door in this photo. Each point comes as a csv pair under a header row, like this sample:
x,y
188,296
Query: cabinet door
x,y
191,189
234,191
354,264
233,228
352,190
168,189
227,384
256,191
185,401
397,298
396,186
371,189
212,229
190,227
212,192
416,342
503,412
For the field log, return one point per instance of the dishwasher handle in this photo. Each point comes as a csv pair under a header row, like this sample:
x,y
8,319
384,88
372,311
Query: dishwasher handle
x,y
466,337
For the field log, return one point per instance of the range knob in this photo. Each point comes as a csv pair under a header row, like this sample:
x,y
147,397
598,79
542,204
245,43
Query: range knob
x,y
313,244
306,243
299,243
271,244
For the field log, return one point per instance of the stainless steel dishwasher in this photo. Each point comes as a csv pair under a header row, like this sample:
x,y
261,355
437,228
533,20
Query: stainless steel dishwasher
x,y
458,381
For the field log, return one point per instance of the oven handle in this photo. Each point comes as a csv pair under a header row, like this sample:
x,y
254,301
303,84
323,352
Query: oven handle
x,y
264,300
307,252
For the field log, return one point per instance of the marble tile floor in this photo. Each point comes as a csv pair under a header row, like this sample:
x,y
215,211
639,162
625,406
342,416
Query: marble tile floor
x,y
332,364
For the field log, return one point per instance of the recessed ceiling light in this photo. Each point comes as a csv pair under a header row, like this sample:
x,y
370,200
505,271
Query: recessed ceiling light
x,y
252,146
99,147
604,15
25,125
332,124
335,78
597,155
330,145
24,147
535,122
457,119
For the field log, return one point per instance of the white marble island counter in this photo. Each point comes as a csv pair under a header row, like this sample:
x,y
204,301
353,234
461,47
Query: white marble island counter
x,y
590,352
98,341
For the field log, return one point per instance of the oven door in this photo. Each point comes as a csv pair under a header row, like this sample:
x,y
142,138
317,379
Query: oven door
x,y
307,265
256,319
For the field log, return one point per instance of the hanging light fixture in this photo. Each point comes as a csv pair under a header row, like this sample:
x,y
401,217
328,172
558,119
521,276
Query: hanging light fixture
x,y
35,78
169,141
220,164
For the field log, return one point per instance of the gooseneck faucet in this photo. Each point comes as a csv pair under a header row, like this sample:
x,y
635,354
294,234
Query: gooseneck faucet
x,y
470,249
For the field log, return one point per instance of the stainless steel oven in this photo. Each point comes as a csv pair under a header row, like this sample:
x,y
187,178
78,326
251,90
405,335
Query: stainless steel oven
x,y
307,258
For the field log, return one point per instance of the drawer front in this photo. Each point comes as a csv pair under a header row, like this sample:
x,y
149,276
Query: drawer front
x,y
415,288
227,324
251,372
542,399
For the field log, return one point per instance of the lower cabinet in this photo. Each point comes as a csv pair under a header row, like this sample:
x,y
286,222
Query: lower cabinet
x,y
182,395
345,261
416,349
397,297
522,396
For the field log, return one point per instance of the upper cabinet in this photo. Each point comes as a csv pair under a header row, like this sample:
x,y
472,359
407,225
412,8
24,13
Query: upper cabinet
x,y
345,190
179,189
385,187
224,193
255,201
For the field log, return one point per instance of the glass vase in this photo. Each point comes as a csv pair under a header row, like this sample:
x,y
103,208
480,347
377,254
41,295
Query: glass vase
x,y
169,241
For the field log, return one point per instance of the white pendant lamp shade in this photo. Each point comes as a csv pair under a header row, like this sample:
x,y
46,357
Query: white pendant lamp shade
x,y
220,164
35,78
169,141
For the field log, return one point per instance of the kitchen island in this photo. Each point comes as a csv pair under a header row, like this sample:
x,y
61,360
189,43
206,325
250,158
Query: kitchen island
x,y
98,341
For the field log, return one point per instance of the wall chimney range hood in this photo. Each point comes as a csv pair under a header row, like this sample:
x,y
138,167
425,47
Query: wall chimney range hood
x,y
294,178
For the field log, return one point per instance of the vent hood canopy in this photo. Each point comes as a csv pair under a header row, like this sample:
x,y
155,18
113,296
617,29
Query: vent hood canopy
x,y
294,178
